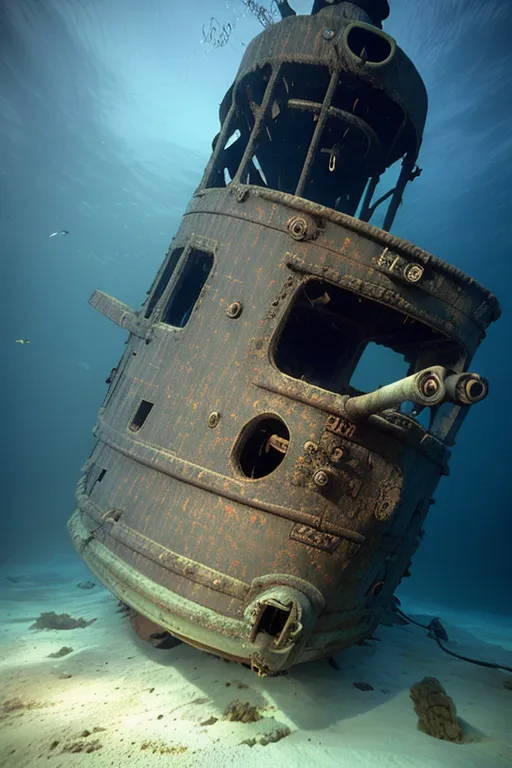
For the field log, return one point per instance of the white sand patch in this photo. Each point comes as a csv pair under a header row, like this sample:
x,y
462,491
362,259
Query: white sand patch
x,y
165,707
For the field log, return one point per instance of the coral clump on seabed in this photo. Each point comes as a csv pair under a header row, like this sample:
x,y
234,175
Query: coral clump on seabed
x,y
17,703
274,736
241,712
52,620
61,652
436,710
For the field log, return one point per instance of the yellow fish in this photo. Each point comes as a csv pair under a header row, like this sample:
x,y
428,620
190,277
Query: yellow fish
x,y
22,341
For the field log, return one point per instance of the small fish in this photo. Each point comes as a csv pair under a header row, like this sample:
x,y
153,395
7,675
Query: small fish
x,y
62,232
23,341
86,584
362,686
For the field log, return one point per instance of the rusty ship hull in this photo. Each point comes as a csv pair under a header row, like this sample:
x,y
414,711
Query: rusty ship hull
x,y
242,493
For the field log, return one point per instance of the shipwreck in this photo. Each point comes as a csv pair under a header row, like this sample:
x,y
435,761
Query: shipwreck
x,y
248,492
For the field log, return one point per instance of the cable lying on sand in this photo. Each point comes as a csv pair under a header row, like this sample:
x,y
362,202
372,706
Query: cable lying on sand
x,y
438,633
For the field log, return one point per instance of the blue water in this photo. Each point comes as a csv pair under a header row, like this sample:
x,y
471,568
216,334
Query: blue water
x,y
107,112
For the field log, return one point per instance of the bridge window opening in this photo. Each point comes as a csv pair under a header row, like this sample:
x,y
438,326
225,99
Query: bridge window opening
x,y
378,365
163,281
307,82
248,97
278,160
262,446
141,415
341,342
365,133
187,290
376,109
288,128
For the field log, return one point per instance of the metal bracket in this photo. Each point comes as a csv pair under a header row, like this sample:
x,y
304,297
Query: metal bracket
x,y
121,314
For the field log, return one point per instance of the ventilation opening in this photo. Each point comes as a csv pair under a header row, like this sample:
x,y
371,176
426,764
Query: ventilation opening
x,y
140,417
188,288
327,330
262,447
368,46
163,281
101,475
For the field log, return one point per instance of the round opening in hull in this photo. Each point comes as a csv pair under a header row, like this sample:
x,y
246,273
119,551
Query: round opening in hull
x,y
261,446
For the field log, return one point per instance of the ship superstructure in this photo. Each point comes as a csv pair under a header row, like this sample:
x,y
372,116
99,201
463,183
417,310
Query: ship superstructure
x,y
245,491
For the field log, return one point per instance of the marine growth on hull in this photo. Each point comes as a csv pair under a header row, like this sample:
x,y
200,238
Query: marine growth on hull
x,y
273,435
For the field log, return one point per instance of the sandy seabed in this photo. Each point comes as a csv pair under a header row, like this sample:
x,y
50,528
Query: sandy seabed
x,y
115,700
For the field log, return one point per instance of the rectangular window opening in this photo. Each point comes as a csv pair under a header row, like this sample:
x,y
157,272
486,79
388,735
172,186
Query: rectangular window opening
x,y
346,344
141,415
188,288
163,282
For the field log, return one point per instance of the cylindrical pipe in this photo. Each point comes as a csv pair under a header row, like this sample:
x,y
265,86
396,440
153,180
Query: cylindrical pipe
x,y
466,388
431,386
423,388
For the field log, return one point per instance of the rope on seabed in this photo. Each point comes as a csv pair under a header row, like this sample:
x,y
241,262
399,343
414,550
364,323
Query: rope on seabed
x,y
434,635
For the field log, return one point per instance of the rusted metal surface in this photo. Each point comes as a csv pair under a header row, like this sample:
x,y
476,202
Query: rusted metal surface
x,y
243,493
